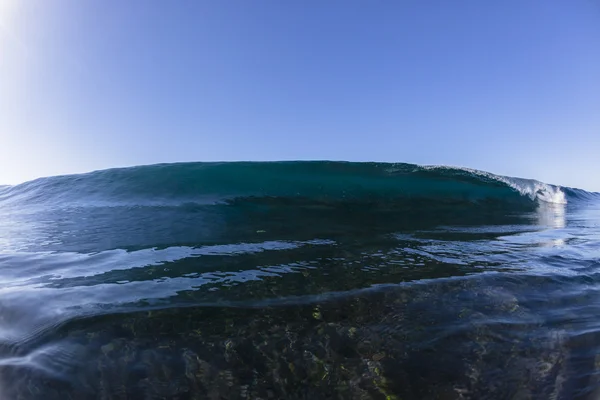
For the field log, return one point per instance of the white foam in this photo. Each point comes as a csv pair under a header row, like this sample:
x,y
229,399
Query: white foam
x,y
531,188
536,190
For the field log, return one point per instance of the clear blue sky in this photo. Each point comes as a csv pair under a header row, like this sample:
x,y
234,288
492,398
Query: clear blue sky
x,y
511,87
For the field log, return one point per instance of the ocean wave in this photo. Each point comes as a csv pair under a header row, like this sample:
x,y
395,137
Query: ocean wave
x,y
210,183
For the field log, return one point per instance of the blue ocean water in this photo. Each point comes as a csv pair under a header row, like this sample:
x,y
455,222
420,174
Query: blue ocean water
x,y
298,280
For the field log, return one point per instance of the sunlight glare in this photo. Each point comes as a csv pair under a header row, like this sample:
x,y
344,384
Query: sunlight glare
x,y
7,9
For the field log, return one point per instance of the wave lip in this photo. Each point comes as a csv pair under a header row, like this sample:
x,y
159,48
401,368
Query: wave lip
x,y
531,188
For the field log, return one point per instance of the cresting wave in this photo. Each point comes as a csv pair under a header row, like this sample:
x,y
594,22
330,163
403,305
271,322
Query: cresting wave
x,y
531,188
209,183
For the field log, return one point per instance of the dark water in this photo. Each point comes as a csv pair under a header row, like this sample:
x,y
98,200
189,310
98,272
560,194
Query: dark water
x,y
298,281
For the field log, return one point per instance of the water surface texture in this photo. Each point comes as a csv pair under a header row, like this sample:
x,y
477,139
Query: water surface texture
x,y
298,280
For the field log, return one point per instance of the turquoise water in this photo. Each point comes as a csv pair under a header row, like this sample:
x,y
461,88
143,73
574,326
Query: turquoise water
x,y
298,280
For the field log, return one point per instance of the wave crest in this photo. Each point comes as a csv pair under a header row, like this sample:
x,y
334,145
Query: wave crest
x,y
207,183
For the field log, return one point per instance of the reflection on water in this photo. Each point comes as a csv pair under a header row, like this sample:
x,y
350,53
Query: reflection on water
x,y
551,215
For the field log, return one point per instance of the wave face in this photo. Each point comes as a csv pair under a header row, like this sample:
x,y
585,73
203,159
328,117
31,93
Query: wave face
x,y
212,182
298,280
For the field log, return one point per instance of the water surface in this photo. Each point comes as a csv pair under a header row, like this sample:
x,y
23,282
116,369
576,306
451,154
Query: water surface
x,y
298,280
